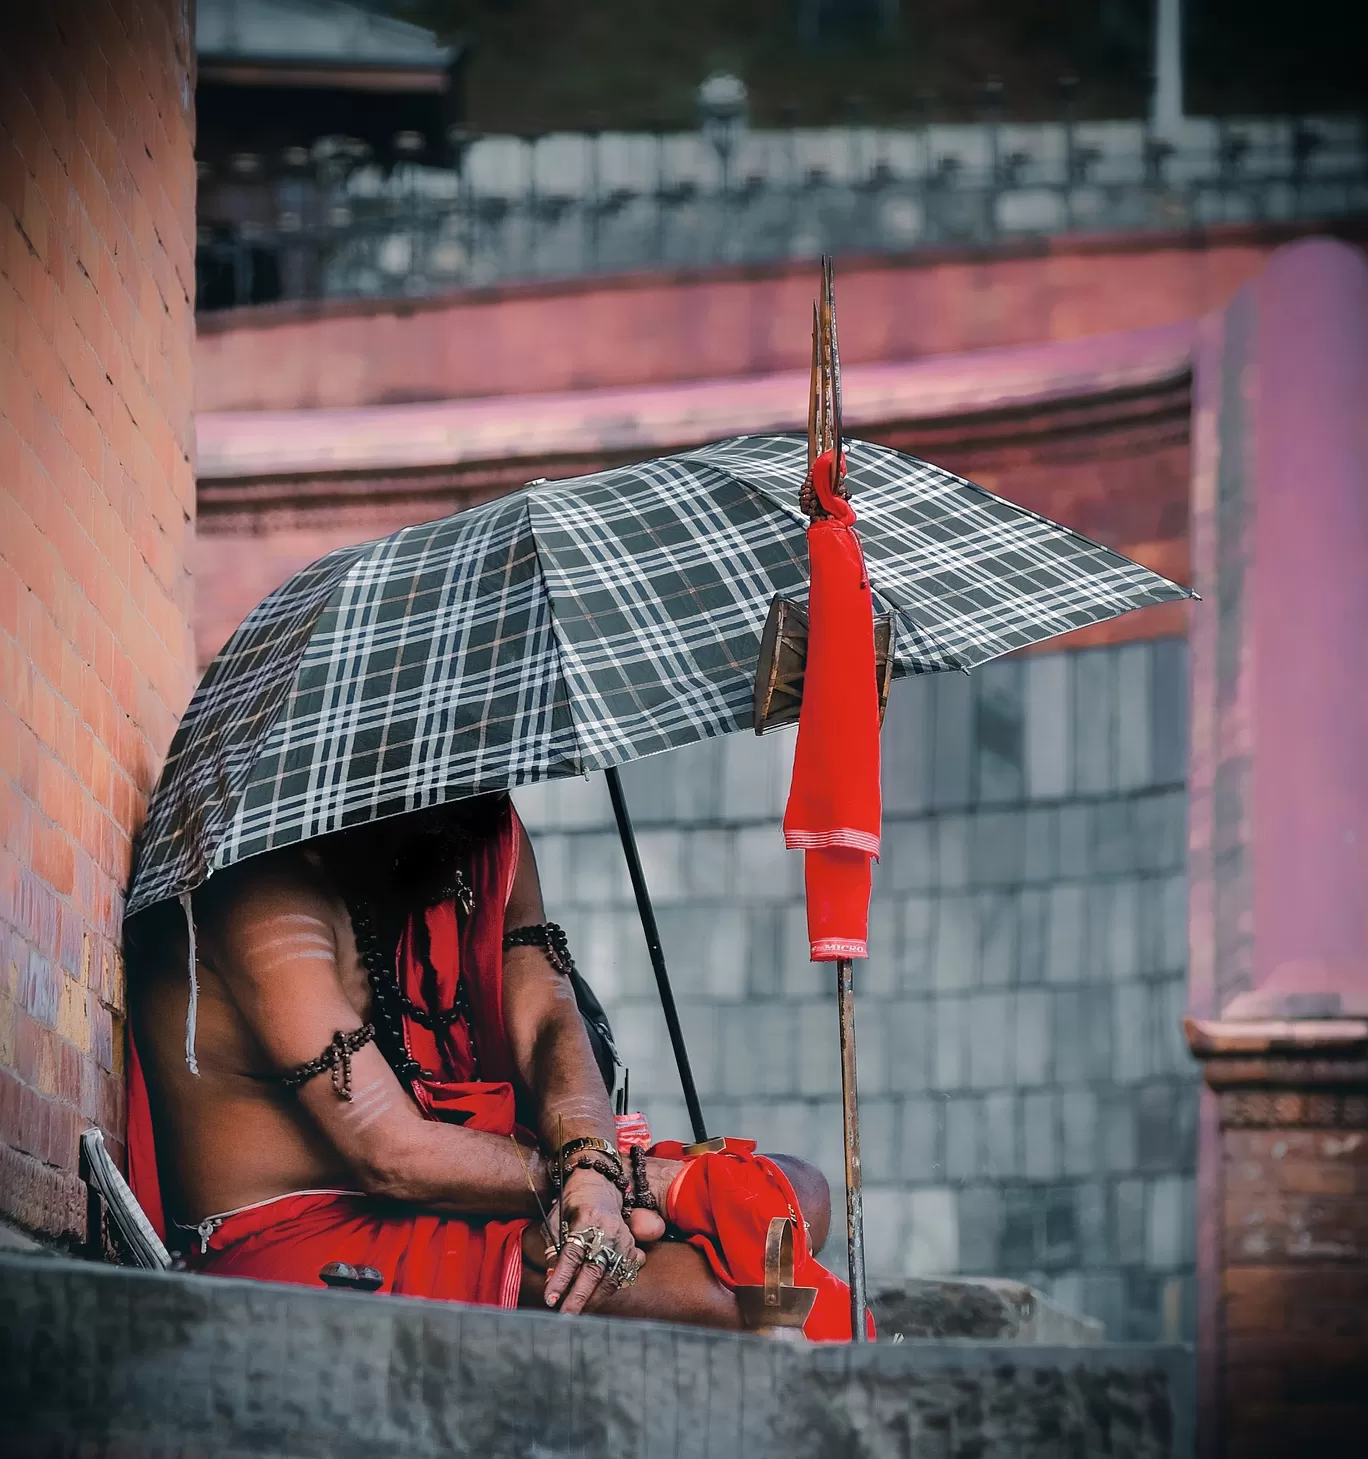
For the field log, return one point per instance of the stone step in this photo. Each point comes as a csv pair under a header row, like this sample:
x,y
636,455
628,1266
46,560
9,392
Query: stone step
x,y
991,1309
99,1359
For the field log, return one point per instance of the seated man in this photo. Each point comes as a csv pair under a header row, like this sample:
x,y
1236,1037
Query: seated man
x,y
379,1062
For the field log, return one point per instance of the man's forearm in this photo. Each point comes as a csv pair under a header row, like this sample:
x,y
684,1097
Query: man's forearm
x,y
395,1153
400,1156
571,1099
462,1171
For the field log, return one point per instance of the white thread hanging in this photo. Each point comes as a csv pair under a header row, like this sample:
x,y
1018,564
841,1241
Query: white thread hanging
x,y
192,1008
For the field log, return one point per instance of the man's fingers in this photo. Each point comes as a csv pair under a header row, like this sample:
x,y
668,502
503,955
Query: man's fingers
x,y
562,1273
591,1280
633,1259
586,1283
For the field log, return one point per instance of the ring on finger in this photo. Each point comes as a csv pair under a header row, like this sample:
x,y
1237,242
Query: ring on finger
x,y
588,1241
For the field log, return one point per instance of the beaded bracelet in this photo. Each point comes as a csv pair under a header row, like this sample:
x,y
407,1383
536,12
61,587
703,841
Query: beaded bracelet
x,y
337,1057
643,1198
601,1167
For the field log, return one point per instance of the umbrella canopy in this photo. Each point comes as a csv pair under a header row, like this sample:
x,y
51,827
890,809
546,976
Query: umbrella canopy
x,y
578,625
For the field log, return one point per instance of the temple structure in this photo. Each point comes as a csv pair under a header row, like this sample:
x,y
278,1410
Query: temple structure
x,y
1031,1107
1114,1039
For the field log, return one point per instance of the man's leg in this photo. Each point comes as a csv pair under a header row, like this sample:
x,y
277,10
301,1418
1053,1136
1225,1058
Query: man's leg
x,y
677,1284
814,1197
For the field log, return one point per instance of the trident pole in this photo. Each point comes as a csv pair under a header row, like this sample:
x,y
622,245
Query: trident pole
x,y
854,1176
825,432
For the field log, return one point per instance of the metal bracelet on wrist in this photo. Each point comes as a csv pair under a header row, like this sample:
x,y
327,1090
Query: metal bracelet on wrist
x,y
588,1150
589,1142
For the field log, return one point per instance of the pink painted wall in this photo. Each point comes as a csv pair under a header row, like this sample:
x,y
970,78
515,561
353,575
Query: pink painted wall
x,y
1310,632
642,329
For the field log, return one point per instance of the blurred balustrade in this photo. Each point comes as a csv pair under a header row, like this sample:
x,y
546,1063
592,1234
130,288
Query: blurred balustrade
x,y
332,221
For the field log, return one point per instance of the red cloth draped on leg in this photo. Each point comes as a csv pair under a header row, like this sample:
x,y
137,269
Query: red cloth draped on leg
x,y
470,1071
723,1203
417,1253
835,809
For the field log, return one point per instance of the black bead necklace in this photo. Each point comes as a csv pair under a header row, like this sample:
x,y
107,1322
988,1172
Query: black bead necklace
x,y
388,1013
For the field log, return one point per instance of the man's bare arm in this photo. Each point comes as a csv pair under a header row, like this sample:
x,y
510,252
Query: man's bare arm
x,y
279,960
545,1031
556,1064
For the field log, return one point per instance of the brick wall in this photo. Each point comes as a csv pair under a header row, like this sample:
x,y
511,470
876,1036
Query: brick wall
x,y
1029,1107
96,507
1295,1289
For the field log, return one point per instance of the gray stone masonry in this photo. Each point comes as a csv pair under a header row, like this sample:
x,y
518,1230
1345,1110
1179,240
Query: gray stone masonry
x,y
1029,1110
95,1360
985,1308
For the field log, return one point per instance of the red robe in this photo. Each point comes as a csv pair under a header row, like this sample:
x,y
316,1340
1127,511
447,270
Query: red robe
x,y
722,1204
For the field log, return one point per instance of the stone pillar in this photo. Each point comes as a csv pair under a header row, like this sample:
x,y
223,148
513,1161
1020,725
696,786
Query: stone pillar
x,y
1278,841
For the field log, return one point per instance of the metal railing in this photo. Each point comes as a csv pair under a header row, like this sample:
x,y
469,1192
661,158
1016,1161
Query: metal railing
x,y
557,207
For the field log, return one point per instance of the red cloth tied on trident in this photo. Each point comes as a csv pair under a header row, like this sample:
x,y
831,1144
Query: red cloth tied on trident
x,y
835,810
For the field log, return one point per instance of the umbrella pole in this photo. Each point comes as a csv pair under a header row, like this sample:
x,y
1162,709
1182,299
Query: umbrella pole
x,y
648,926
850,1112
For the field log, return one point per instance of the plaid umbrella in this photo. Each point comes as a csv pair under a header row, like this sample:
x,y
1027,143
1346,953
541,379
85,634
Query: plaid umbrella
x,y
575,626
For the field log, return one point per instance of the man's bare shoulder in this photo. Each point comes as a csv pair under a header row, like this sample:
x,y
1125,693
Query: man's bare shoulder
x,y
280,885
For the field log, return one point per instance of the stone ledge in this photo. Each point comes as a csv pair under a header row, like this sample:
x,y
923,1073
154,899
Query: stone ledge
x,y
986,1309
40,1197
149,1364
13,1239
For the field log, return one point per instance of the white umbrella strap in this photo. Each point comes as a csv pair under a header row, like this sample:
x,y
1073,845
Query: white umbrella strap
x,y
192,1008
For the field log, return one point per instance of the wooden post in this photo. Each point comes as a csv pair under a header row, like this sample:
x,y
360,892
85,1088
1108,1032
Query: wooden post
x,y
850,1114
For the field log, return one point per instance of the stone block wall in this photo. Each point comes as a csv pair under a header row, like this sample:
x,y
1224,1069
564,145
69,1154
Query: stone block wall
x,y
97,194
1028,1103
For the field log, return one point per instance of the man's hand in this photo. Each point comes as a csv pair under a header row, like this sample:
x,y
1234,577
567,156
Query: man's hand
x,y
649,1226
589,1200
